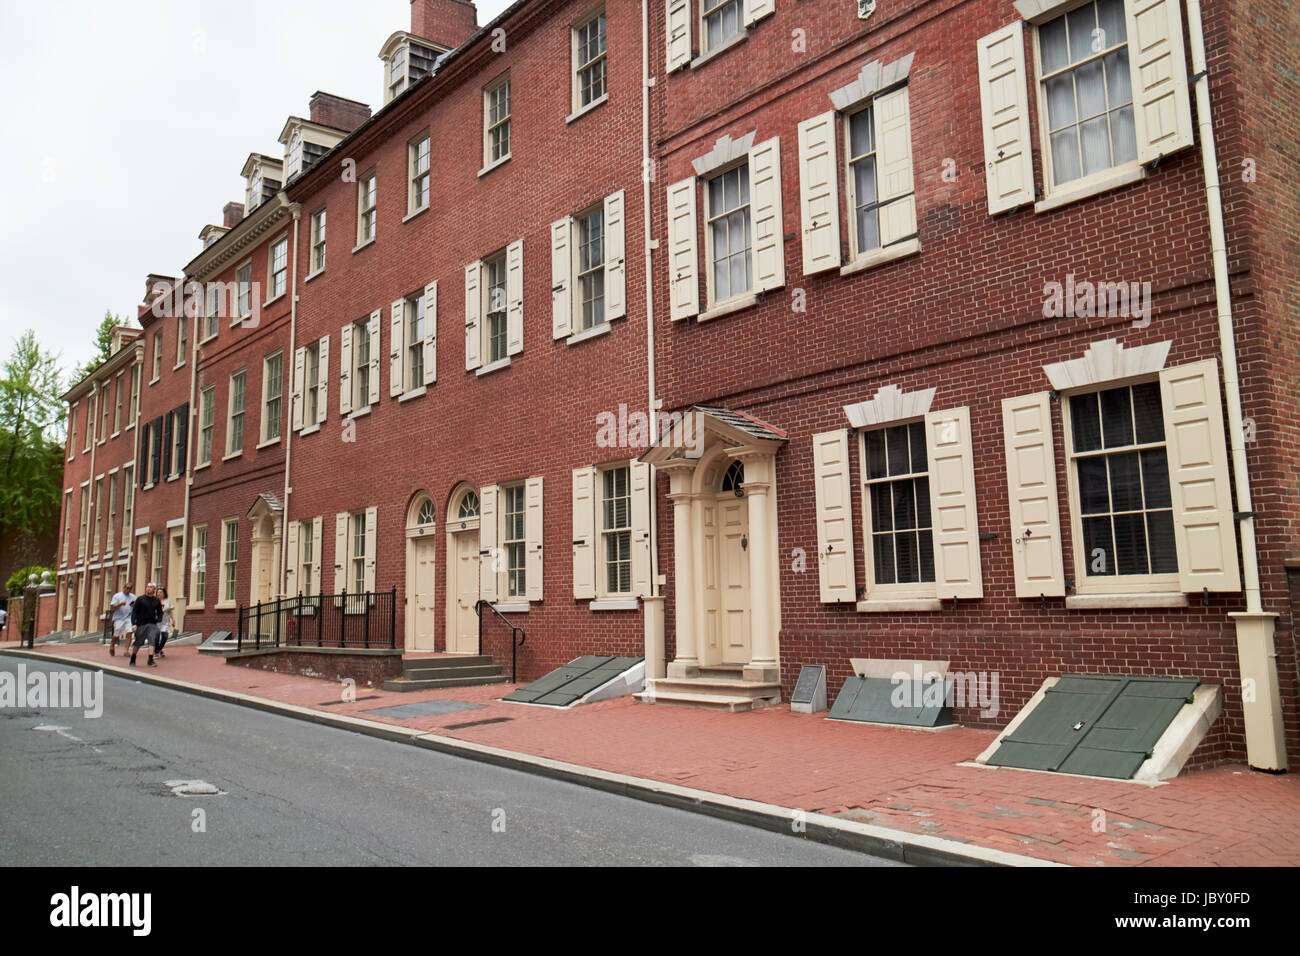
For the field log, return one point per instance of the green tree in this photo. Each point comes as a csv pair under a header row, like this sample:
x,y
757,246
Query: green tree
x,y
103,344
31,438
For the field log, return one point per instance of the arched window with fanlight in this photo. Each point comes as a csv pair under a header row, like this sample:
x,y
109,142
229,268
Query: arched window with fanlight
x,y
733,481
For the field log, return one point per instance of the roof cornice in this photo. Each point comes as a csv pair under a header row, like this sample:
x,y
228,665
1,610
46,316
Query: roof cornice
x,y
246,233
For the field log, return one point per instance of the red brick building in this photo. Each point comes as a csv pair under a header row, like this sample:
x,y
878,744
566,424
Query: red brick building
x,y
969,337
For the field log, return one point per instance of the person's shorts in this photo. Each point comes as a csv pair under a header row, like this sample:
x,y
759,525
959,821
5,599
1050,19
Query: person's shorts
x,y
121,628
144,635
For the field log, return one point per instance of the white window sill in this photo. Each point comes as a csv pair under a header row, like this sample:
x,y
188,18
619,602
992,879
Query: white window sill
x,y
116,433
233,455
363,245
210,338
268,443
885,606
615,604
413,393
415,212
206,464
129,427
734,304
155,380
274,299
1087,602
584,110
147,487
719,50
494,367
514,607
878,257
496,165
309,430
312,275
171,478
225,607
178,366
1094,186
195,607
358,413
595,332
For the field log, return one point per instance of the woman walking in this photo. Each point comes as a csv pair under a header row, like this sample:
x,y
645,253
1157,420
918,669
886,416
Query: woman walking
x,y
165,627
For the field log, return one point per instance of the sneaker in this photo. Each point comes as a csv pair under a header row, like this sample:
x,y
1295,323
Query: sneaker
x,y
133,660
151,663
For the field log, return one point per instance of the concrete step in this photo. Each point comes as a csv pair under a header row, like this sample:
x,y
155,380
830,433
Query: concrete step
x,y
403,685
435,673
719,693
731,704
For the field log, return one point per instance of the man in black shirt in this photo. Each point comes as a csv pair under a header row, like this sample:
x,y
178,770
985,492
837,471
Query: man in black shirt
x,y
146,615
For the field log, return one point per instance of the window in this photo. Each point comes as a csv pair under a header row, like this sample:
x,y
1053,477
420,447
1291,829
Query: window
x,y
199,565
207,415
318,241
496,123
72,433
277,268
468,507
67,524
99,517
180,438
85,522
357,561
104,408
157,356
155,435
513,539
128,505
367,212
213,313
901,544
135,394
118,395
1086,91
589,61
616,530
156,568
494,306
415,331
182,340
313,373
397,72
863,170
720,21
272,393
244,282
362,348
419,174
306,555
90,421
1121,472
729,234
235,426
229,559
591,268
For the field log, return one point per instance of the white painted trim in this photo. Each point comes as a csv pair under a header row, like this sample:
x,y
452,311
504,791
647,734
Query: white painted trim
x,y
494,367
583,111
891,607
413,393
741,35
1107,361
175,523
878,257
363,245
871,79
491,166
1092,186
415,212
612,604
1088,602
891,404
516,607
725,150
604,328
736,303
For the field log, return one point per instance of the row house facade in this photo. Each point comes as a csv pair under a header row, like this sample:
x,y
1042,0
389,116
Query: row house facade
x,y
744,334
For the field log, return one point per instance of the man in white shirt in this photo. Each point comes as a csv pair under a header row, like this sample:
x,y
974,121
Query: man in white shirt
x,y
122,604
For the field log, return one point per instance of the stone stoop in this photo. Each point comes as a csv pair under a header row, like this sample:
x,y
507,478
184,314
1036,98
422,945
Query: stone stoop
x,y
430,673
717,688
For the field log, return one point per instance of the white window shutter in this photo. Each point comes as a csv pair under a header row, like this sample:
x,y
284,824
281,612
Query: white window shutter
x,y
819,193
561,279
299,378
683,259
952,504
756,10
1031,484
322,404
345,370
473,313
430,333
769,227
533,539
317,529
397,339
642,505
894,177
584,533
340,551
376,348
1204,527
1162,111
615,253
679,33
1004,107
292,587
515,298
836,569
491,561
372,527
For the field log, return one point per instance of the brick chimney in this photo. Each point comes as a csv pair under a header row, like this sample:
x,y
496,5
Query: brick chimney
x,y
231,214
155,285
337,112
448,23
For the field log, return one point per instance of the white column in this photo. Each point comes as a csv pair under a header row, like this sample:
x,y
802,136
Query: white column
x,y
687,661
762,638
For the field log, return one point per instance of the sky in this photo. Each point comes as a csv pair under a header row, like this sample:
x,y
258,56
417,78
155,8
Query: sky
x,y
126,125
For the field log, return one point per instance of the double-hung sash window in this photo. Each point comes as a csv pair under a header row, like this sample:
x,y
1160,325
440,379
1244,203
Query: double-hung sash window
x,y
589,61
731,267
207,416
357,563
235,428
318,241
157,356
494,307
367,208
313,373
182,339
901,550
213,313
720,21
415,334
244,282
419,160
591,268
278,268
156,566
199,564
307,555
616,530
496,122
117,400
513,540
272,396
128,505
361,359
112,514
229,559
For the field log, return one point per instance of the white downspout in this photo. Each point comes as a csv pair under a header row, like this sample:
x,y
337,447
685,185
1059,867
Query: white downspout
x,y
295,210
1262,704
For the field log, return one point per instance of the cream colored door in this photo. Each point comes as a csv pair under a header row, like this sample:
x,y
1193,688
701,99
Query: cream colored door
x,y
94,615
176,580
463,639
424,585
733,578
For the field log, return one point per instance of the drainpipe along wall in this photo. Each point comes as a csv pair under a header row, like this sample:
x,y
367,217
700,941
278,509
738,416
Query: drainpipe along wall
x,y
1257,658
295,210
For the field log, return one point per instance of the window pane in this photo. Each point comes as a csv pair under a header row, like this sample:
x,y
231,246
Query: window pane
x,y
1117,416
909,565
917,433
883,548
1099,556
1155,478
1091,92
1051,40
861,133
1123,137
1095,134
864,181
1094,497
1148,414
1085,423
1060,101
927,555
923,519
1081,23
876,454
882,508
897,441
1160,532
904,505
1131,544
1110,17
1125,482
1065,156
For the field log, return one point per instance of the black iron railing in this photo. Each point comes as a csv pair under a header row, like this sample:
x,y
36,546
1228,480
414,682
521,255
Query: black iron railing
x,y
365,619
517,636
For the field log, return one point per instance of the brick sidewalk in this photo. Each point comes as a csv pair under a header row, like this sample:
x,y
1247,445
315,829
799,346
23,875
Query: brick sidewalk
x,y
903,779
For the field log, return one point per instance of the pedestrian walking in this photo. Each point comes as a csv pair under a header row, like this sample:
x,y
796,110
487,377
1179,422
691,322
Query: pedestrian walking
x,y
146,615
121,606
165,627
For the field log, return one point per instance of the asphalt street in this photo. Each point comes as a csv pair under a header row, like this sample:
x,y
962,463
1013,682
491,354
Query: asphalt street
x,y
109,791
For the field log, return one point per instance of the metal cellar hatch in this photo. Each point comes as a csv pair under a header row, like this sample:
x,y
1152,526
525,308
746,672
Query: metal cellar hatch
x,y
882,700
1097,726
582,681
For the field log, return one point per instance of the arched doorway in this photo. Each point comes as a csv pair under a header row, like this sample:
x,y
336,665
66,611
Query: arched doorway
x,y
462,571
727,595
421,581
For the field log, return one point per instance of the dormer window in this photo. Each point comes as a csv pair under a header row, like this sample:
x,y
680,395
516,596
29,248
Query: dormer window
x,y
265,175
397,72
254,196
407,60
293,161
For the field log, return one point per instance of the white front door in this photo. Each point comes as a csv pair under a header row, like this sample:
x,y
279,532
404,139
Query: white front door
x,y
463,636
423,593
733,579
